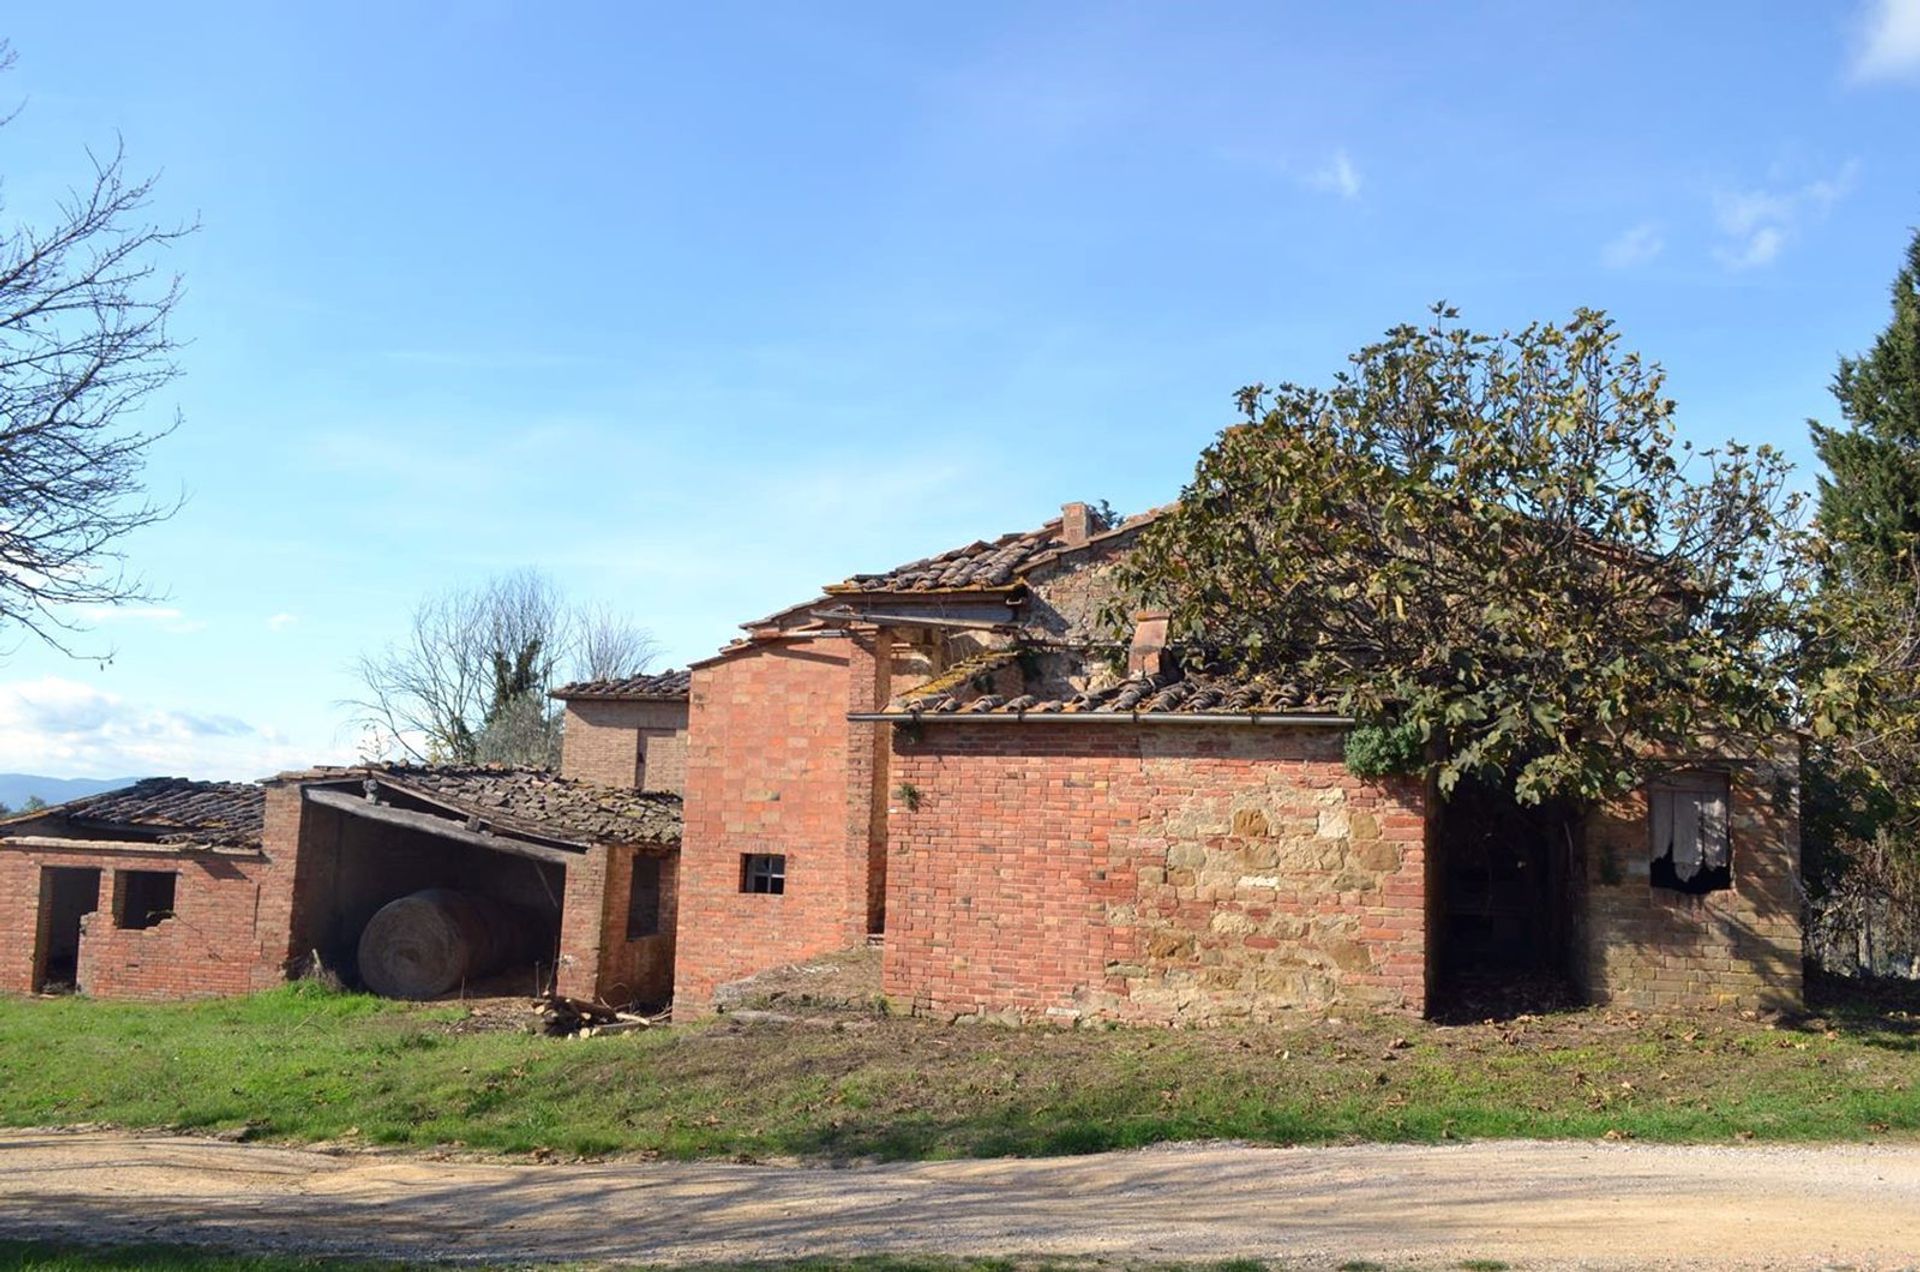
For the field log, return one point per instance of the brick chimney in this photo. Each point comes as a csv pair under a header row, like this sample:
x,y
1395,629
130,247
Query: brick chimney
x,y
1147,655
1076,524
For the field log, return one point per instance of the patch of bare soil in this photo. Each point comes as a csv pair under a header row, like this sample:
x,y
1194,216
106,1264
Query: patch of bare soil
x,y
496,1015
1529,1204
847,981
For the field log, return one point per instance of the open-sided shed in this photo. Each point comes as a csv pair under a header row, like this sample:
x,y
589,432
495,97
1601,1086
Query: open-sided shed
x,y
174,888
568,885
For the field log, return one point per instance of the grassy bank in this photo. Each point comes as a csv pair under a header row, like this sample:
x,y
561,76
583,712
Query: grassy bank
x,y
39,1256
303,1064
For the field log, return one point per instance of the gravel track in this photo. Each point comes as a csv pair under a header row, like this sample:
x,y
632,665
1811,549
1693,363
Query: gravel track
x,y
1531,1204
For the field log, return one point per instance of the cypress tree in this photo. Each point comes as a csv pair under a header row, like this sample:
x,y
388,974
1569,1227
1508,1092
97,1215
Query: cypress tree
x,y
1869,503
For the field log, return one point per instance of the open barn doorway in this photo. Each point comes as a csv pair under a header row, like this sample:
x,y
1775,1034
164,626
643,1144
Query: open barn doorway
x,y
1504,916
67,895
490,912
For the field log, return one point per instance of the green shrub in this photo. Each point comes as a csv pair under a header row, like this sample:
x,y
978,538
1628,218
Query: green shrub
x,y
1384,750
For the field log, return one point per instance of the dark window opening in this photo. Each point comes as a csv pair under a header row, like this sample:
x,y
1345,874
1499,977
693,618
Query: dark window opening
x,y
142,898
643,899
1692,849
763,872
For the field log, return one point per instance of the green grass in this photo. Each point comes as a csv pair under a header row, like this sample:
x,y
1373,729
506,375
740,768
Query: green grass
x,y
43,1256
300,1063
39,1256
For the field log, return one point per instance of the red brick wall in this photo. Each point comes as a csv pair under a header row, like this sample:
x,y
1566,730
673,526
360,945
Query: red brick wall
x,y
774,766
583,926
1656,949
212,945
638,970
1149,872
640,745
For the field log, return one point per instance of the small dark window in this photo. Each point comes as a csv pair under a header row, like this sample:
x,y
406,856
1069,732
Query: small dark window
x,y
1692,848
643,899
142,898
764,872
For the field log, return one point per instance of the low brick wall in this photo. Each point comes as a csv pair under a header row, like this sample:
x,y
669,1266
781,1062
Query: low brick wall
x,y
213,944
1651,948
1155,873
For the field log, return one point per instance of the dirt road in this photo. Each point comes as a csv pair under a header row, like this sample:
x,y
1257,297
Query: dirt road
x,y
1530,1204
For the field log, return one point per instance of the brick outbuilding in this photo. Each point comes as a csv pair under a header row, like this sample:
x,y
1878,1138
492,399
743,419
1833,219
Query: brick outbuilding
x,y
628,732
174,888
161,890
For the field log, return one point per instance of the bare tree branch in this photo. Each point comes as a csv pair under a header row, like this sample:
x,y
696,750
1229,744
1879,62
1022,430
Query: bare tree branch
x,y
609,646
470,681
83,344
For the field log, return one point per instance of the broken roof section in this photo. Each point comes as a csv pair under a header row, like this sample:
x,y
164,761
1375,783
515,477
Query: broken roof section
x,y
663,686
987,572
522,801
163,810
985,564
997,564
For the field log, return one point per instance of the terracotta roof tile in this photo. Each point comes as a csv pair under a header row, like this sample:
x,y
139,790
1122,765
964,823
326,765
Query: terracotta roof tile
x,y
530,801
995,563
652,687
172,810
1199,694
984,564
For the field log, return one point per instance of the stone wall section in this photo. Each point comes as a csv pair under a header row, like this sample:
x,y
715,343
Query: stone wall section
x,y
1158,873
1653,948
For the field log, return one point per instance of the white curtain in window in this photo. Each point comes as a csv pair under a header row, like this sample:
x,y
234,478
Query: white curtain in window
x,y
1686,834
1662,823
1713,831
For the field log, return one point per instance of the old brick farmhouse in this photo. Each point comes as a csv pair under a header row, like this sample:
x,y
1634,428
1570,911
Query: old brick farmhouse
x,y
948,760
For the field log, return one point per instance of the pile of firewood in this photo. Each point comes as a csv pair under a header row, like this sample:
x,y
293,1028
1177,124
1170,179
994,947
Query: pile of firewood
x,y
560,1017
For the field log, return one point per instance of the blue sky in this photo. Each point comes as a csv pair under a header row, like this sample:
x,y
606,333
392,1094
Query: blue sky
x,y
699,307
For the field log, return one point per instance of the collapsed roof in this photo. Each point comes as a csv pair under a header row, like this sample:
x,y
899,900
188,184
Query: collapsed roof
x,y
523,801
994,564
162,810
176,811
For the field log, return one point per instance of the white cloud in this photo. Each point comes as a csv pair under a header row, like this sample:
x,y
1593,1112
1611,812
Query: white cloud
x,y
1756,224
280,622
1633,247
162,617
1756,249
64,728
1337,176
1888,41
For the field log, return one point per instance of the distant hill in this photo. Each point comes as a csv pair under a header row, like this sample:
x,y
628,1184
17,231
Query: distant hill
x,y
17,788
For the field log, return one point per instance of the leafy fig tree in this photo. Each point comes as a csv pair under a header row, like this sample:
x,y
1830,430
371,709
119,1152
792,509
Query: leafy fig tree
x,y
1492,546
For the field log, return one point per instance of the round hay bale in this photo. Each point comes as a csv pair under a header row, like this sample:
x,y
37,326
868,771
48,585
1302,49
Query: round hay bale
x,y
430,942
